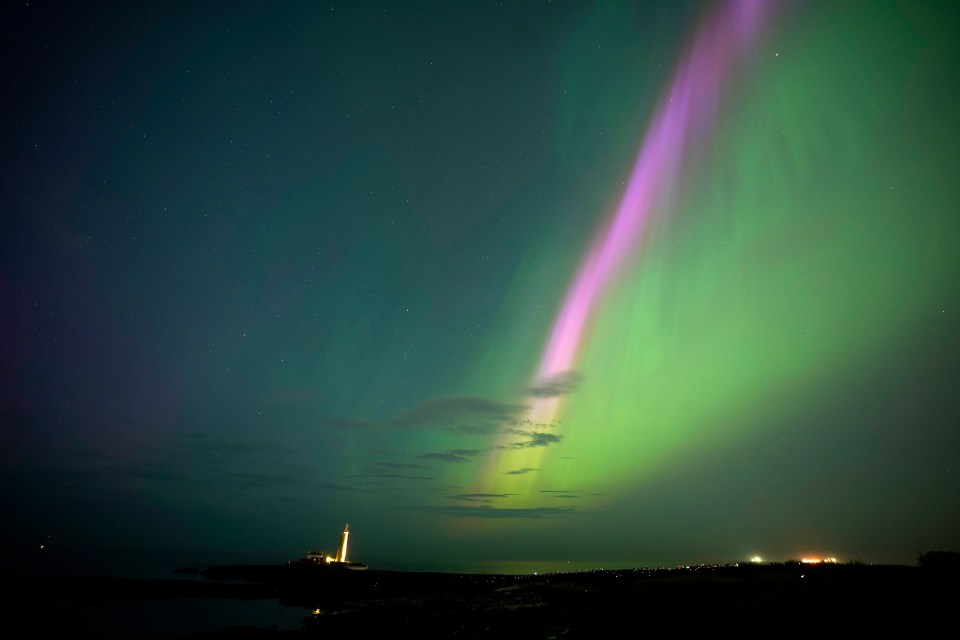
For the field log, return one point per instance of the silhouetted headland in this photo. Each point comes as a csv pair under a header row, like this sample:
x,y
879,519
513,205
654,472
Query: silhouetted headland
x,y
747,599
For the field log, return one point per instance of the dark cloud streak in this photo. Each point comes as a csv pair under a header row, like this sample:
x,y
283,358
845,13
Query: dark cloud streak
x,y
452,455
494,513
560,384
482,497
534,439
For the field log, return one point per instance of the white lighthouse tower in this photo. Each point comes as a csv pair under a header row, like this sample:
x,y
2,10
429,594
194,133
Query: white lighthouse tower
x,y
342,549
339,559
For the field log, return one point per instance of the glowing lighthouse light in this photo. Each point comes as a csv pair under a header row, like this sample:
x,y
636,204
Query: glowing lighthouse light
x,y
342,549
337,560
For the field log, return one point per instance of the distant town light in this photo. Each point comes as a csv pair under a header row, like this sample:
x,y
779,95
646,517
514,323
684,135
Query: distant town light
x,y
756,559
830,560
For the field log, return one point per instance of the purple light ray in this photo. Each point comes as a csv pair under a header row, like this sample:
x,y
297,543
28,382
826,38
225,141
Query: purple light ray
x,y
684,115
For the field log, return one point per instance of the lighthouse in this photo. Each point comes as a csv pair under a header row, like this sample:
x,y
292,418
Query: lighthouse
x,y
342,549
339,559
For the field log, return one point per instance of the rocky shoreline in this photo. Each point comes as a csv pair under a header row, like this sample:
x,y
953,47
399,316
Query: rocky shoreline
x,y
746,600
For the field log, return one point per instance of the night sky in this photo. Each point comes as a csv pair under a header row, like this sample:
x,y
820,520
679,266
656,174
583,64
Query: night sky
x,y
644,281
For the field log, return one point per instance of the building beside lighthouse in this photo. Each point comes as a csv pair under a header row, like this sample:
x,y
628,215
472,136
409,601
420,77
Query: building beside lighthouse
x,y
338,559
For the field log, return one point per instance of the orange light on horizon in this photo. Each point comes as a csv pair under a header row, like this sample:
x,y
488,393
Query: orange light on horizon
x,y
830,560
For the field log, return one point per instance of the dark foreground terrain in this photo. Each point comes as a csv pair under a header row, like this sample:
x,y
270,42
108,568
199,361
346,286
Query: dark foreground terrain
x,y
743,601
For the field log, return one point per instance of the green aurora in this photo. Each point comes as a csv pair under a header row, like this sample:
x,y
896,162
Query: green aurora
x,y
803,248
270,270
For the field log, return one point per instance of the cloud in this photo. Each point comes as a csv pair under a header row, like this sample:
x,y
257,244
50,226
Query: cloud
x,y
482,497
399,476
452,455
457,412
559,384
494,513
468,415
474,429
526,422
519,472
556,493
534,439
397,471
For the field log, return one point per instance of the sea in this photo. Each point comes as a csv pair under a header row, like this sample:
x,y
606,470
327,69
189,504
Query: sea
x,y
57,617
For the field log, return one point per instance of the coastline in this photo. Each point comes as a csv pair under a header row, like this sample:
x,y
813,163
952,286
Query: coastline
x,y
748,600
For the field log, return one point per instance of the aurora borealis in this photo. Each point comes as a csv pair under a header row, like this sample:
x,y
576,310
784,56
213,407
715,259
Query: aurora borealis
x,y
655,282
686,109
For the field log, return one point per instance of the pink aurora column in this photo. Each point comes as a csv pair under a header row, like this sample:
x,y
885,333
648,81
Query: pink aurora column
x,y
684,116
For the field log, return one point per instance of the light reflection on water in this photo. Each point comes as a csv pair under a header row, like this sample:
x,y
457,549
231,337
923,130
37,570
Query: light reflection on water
x,y
504,567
